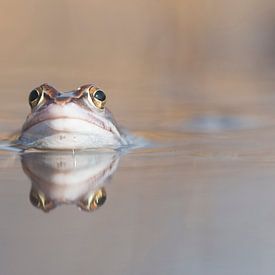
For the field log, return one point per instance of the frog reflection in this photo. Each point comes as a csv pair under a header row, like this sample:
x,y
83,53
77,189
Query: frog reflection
x,y
93,201
69,178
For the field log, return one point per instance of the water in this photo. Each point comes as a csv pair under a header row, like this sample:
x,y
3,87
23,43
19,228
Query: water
x,y
199,199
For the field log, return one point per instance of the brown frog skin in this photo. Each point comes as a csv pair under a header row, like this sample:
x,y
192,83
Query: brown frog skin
x,y
70,120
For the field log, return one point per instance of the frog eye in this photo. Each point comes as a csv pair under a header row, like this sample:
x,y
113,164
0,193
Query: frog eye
x,y
98,97
39,200
94,201
99,198
34,97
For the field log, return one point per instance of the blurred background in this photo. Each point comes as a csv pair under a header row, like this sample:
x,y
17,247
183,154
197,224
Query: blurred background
x,y
79,41
183,50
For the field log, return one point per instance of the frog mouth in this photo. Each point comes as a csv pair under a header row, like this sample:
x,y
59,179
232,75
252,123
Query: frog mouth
x,y
68,118
66,124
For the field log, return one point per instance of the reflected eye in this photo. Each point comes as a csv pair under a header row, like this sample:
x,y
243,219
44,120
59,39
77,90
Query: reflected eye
x,y
98,97
94,201
34,97
99,199
39,200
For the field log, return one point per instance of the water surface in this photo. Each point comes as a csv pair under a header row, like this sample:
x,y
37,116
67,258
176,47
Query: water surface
x,y
199,200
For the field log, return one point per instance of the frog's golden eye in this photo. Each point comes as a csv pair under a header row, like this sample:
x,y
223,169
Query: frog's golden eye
x,y
98,97
99,198
94,201
34,97
39,200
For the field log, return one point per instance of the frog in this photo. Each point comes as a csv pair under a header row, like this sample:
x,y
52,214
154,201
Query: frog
x,y
76,119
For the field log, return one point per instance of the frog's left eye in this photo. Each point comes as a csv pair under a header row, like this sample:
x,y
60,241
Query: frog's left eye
x,y
39,200
98,97
34,97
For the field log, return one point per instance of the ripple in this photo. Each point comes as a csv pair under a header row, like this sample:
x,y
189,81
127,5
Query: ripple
x,y
219,123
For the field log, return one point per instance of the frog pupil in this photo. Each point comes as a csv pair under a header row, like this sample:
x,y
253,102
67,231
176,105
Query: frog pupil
x,y
100,95
33,95
100,201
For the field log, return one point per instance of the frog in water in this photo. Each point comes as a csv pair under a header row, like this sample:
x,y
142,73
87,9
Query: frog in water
x,y
70,120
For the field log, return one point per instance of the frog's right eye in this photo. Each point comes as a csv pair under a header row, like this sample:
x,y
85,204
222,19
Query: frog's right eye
x,y
94,201
34,97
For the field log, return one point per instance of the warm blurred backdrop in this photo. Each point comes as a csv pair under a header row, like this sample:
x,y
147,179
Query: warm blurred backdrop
x,y
75,41
192,50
